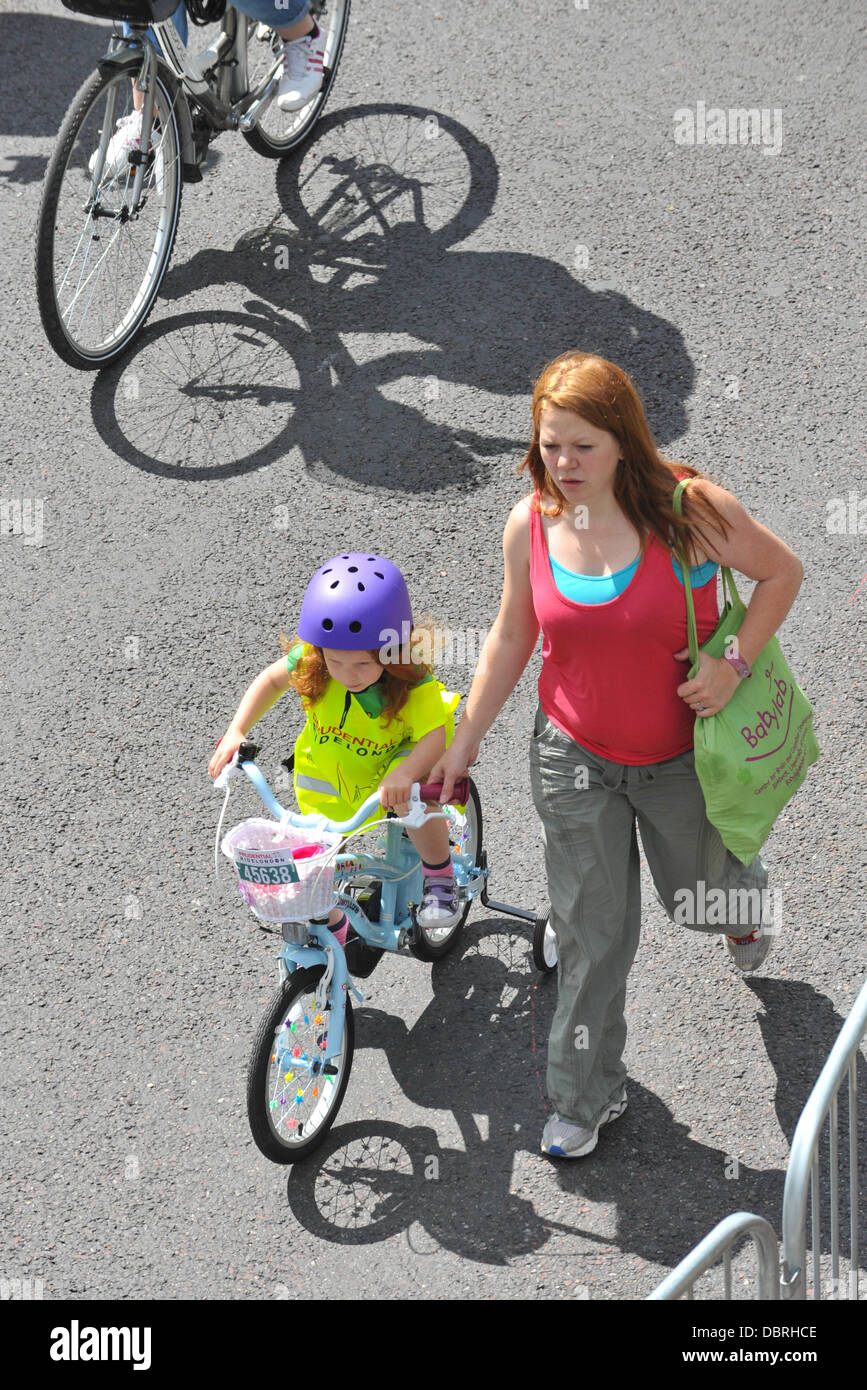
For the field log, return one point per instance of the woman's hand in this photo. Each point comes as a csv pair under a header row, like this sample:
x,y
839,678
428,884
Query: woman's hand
x,y
712,688
452,766
226,750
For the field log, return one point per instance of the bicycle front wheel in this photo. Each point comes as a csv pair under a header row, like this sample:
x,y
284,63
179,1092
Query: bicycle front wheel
x,y
291,1108
100,259
278,132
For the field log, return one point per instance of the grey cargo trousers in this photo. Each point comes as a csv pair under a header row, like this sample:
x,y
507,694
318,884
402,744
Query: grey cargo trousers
x,y
589,808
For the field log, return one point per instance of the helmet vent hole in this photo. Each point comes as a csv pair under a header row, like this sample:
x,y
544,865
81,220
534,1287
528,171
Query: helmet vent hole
x,y
361,588
355,627
334,584
378,575
353,569
327,624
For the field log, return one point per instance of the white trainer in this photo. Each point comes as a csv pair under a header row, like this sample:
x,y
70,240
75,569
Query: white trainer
x,y
302,71
126,138
749,952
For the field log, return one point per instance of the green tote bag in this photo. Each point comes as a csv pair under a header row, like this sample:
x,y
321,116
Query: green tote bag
x,y
753,755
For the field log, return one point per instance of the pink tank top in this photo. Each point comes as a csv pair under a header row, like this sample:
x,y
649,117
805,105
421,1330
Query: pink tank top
x,y
609,676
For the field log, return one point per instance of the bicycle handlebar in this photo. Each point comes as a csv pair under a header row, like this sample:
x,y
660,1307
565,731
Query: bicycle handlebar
x,y
243,761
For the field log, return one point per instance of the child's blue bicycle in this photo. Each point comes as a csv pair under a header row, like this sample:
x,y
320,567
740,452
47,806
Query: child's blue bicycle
x,y
302,1055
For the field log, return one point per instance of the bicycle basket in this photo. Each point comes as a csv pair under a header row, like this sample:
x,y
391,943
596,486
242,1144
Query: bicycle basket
x,y
136,11
284,874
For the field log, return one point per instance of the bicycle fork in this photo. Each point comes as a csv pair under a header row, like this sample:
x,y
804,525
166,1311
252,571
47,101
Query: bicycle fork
x,y
334,988
144,82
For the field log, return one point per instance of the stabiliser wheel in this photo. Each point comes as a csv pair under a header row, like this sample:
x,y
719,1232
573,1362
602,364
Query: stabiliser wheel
x,y
544,945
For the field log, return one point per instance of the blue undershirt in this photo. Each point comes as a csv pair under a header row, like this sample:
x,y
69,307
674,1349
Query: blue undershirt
x,y
601,588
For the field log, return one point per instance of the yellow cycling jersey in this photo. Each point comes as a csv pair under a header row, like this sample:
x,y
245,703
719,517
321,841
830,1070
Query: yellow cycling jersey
x,y
343,754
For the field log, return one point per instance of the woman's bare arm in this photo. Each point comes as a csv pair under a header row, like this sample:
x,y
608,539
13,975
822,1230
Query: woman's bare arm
x,y
753,550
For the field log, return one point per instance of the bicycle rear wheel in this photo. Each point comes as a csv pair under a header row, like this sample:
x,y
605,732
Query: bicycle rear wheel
x,y
278,132
291,1109
99,260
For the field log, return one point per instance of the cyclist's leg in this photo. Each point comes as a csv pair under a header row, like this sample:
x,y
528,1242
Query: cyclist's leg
x,y
291,20
179,19
591,859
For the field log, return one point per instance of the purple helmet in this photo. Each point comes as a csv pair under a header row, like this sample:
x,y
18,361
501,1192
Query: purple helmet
x,y
355,603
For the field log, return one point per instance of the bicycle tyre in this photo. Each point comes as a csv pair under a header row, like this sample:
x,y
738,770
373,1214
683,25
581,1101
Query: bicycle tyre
x,y
544,945
432,943
61,176
275,147
267,1089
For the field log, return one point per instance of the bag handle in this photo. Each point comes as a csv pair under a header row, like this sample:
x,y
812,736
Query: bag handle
x,y
730,593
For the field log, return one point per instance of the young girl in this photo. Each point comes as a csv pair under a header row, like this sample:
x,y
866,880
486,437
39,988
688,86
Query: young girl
x,y
372,723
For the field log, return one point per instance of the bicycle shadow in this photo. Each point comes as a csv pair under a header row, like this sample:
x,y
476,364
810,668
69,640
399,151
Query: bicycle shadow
x,y
441,331
478,1052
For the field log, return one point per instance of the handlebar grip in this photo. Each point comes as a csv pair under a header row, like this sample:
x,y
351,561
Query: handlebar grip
x,y
460,796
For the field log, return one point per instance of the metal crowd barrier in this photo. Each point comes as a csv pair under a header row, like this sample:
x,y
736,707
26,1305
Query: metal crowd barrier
x,y
720,1242
787,1278
803,1170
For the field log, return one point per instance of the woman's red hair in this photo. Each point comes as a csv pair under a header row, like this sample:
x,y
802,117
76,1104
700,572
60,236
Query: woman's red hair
x,y
603,395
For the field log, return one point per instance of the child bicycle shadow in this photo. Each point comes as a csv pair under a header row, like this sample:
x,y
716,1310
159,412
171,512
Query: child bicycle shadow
x,y
478,1052
372,1179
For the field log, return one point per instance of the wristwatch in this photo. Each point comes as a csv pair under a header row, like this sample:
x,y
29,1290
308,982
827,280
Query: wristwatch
x,y
738,664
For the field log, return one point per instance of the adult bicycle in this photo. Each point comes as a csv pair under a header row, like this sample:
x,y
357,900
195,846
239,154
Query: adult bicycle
x,y
108,222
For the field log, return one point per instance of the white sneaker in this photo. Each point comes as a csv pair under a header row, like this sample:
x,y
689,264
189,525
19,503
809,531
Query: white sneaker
x,y
127,137
563,1139
749,952
302,71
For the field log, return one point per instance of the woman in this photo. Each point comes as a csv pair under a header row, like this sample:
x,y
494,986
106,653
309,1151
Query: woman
x,y
588,560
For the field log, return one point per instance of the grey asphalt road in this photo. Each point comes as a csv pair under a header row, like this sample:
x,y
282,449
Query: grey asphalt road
x,y
326,368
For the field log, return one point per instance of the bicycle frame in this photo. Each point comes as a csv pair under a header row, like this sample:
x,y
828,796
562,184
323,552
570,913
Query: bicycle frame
x,y
224,99
399,872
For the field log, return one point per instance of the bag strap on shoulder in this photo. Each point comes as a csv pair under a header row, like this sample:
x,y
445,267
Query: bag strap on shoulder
x,y
730,593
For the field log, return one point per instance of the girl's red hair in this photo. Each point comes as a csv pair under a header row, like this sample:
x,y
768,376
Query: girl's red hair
x,y
310,675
